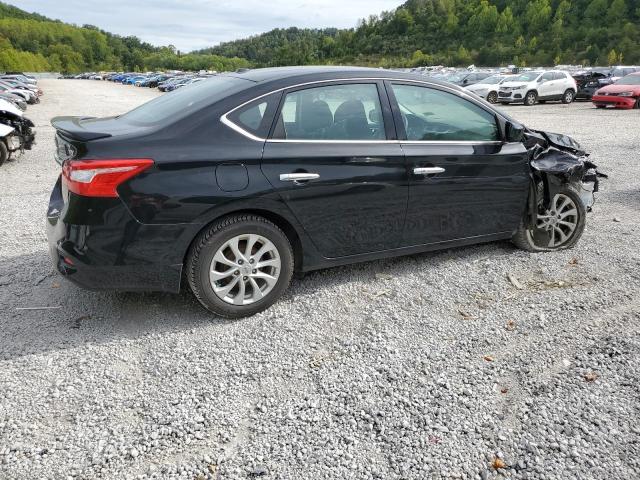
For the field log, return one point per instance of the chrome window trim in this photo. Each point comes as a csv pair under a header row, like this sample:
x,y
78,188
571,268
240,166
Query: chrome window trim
x,y
225,120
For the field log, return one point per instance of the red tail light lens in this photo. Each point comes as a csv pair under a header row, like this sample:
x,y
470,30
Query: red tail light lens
x,y
101,178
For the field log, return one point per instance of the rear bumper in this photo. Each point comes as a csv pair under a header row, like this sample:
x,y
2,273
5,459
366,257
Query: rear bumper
x,y
613,101
110,250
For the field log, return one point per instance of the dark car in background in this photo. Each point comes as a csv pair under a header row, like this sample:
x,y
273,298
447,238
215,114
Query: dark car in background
x,y
588,81
237,182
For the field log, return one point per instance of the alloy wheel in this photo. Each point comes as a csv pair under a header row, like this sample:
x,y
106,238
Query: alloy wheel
x,y
560,221
245,269
492,97
568,96
531,98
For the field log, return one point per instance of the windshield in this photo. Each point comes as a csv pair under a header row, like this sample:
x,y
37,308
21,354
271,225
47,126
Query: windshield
x,y
629,80
526,77
182,102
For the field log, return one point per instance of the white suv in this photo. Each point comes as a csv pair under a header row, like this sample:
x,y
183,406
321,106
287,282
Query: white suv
x,y
538,86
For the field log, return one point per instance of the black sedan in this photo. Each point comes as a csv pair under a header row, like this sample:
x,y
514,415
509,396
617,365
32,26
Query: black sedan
x,y
237,182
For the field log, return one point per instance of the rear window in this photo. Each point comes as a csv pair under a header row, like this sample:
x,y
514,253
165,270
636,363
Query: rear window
x,y
184,101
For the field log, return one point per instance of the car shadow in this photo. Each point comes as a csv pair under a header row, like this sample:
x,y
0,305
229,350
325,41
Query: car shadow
x,y
43,312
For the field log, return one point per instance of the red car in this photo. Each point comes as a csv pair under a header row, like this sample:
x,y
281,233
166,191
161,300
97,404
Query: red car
x,y
625,93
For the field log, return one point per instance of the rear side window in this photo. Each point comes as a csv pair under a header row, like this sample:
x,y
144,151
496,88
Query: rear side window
x,y
433,115
547,76
559,76
257,116
334,112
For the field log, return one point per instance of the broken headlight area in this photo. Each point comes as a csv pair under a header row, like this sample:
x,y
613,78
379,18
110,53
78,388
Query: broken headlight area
x,y
557,162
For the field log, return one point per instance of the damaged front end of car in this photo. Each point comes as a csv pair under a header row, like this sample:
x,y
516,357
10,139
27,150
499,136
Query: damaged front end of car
x,y
16,130
558,162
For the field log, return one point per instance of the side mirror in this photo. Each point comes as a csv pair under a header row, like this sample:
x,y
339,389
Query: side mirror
x,y
513,132
465,81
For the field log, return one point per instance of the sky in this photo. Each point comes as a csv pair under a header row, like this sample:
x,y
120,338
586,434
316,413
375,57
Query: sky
x,y
195,24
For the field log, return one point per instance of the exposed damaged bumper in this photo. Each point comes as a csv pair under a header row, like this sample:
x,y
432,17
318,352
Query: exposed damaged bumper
x,y
558,161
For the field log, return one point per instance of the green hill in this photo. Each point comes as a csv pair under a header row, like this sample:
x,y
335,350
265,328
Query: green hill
x,y
32,42
461,32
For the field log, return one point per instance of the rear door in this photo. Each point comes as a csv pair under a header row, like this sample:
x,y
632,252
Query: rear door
x,y
464,182
334,160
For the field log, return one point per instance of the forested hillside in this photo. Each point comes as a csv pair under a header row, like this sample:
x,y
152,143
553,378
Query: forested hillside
x,y
31,42
460,32
420,32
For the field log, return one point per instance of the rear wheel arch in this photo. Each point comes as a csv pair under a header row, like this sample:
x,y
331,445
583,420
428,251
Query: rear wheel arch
x,y
278,220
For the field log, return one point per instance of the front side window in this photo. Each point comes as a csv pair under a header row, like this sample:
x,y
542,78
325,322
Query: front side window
x,y
430,114
335,112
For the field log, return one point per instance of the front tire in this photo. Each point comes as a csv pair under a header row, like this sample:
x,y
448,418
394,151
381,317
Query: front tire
x,y
530,98
559,226
240,266
568,96
492,97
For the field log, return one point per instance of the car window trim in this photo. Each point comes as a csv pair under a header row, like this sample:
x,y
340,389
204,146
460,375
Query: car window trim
x,y
389,129
397,117
226,121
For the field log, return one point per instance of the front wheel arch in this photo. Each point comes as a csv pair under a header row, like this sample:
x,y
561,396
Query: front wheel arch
x,y
534,92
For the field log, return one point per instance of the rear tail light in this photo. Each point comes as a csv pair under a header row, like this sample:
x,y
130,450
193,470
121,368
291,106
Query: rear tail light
x,y
101,178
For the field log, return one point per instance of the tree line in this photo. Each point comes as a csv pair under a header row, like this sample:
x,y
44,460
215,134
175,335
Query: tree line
x,y
31,42
462,32
419,32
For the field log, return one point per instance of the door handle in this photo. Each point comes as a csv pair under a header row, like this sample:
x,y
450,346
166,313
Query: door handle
x,y
298,177
427,170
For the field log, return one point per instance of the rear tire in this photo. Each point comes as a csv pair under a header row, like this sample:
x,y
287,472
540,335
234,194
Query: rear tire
x,y
568,96
530,98
637,105
492,97
559,227
4,152
224,269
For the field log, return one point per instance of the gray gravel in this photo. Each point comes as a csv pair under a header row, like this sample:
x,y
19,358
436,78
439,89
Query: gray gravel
x,y
424,367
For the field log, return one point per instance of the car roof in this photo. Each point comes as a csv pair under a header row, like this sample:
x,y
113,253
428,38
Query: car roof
x,y
292,75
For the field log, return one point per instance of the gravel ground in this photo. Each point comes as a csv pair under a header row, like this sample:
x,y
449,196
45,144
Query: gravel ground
x,y
424,367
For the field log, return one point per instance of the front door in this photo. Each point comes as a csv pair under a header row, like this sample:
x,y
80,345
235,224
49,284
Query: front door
x,y
464,181
333,159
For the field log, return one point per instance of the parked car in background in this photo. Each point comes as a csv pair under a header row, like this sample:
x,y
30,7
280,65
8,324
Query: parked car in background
x,y
301,168
16,132
29,96
154,81
622,71
538,86
624,93
488,87
20,78
467,78
14,99
588,81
